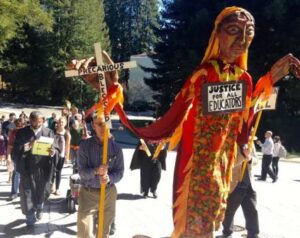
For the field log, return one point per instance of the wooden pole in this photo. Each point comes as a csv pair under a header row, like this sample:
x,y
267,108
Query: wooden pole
x,y
102,190
244,166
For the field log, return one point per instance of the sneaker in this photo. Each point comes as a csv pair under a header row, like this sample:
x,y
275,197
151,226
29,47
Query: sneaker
x,y
39,214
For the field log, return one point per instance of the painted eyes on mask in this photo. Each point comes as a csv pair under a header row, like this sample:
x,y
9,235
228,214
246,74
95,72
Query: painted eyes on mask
x,y
235,30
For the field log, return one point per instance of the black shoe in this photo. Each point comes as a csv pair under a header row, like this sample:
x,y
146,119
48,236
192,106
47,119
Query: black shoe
x,y
252,236
112,229
260,179
39,214
225,236
145,194
29,229
274,180
154,194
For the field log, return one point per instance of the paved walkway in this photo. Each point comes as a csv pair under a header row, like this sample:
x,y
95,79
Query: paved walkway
x,y
135,215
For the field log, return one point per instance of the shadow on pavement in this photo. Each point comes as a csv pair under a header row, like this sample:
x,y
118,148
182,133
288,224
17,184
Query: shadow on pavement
x,y
13,230
58,205
129,196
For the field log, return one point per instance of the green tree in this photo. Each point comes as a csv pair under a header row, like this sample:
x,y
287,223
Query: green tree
x,y
131,26
14,13
35,61
78,26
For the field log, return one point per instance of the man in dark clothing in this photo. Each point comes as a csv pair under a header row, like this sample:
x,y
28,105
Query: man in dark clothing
x,y
92,174
35,170
149,166
241,194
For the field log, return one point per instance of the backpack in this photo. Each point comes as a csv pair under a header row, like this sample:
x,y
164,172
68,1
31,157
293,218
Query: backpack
x,y
282,153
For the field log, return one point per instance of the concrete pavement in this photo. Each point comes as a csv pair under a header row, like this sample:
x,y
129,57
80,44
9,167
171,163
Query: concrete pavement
x,y
153,217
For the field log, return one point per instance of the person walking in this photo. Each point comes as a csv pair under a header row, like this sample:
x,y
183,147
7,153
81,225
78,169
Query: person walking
x,y
35,169
267,150
242,194
11,160
150,167
93,174
62,137
276,154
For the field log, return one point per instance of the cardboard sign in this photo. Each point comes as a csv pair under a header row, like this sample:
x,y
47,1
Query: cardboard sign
x,y
269,104
226,97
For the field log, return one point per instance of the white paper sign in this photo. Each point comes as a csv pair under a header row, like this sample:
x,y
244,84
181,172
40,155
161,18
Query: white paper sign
x,y
269,104
224,97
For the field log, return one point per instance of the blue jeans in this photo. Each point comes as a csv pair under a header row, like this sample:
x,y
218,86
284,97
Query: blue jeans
x,y
15,182
74,154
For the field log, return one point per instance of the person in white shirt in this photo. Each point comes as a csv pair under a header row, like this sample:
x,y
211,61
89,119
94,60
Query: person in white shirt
x,y
275,159
267,150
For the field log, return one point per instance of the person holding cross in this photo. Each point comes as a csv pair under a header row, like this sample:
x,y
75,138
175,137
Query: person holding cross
x,y
92,173
208,141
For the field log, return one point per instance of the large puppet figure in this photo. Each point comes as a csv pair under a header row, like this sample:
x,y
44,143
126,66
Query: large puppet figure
x,y
207,143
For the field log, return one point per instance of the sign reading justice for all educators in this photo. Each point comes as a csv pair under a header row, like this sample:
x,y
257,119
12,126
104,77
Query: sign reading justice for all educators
x,y
226,97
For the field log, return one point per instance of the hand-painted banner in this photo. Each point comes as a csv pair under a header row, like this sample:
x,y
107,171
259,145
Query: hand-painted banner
x,y
269,104
224,97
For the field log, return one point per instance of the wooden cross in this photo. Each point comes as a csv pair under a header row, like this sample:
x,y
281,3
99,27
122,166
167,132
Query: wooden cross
x,y
100,69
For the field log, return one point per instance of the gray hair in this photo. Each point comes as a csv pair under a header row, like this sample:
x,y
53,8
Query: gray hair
x,y
35,115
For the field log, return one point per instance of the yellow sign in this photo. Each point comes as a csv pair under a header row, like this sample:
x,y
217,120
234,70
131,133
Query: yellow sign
x,y
42,146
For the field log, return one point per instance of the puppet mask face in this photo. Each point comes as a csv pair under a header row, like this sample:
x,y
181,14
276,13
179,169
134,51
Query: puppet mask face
x,y
235,35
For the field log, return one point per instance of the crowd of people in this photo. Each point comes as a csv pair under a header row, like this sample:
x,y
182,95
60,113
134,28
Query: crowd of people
x,y
205,156
41,177
34,177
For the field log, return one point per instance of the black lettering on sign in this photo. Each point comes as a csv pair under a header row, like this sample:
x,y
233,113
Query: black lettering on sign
x,y
223,97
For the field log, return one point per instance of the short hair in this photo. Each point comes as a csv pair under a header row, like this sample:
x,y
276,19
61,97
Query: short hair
x,y
269,132
276,138
35,115
12,114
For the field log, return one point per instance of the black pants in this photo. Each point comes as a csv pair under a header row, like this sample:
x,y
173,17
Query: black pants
x,y
266,169
57,171
34,189
246,197
150,174
275,161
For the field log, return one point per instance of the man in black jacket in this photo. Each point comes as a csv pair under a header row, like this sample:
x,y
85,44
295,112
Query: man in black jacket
x,y
35,169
